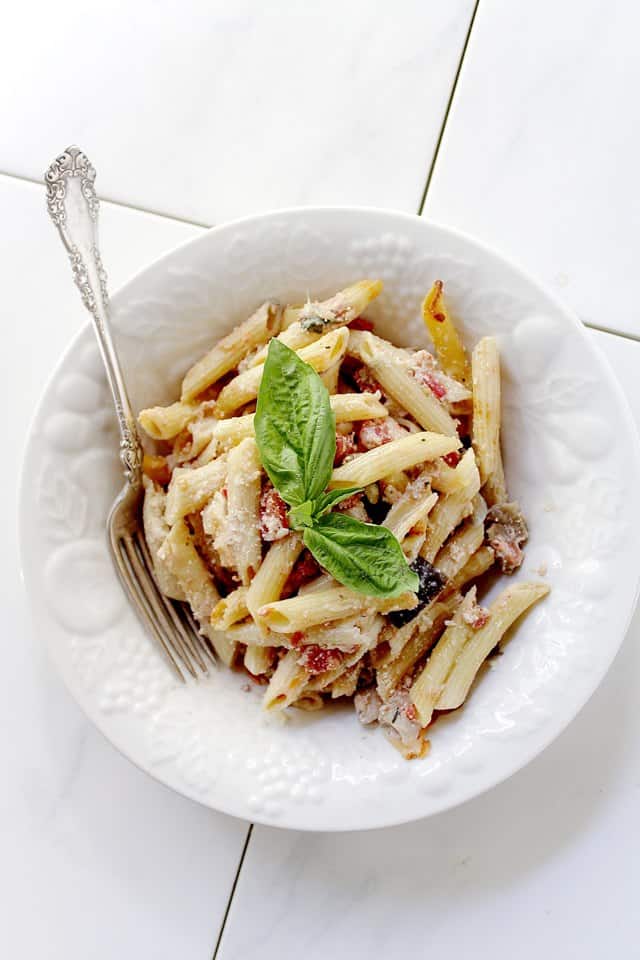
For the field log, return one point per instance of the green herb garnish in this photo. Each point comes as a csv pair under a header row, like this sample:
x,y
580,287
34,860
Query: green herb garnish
x,y
296,434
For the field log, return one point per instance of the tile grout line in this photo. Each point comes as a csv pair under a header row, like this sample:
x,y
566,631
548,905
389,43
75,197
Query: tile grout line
x,y
448,109
115,203
233,890
634,337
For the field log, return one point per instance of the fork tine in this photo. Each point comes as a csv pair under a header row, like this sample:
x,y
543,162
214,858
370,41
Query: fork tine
x,y
130,583
187,639
156,611
205,646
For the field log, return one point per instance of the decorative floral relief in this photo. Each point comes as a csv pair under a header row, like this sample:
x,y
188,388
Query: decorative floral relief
x,y
210,740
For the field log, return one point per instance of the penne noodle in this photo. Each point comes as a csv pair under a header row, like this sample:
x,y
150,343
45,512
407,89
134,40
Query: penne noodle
x,y
449,348
323,681
346,407
286,684
410,509
389,674
451,509
330,378
486,407
179,554
295,337
477,564
230,609
503,612
238,537
345,685
462,544
310,700
429,684
164,423
321,354
419,401
392,457
190,490
311,609
267,584
341,308
156,529
258,660
227,354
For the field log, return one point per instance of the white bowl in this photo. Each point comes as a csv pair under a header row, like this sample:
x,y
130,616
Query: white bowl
x,y
572,459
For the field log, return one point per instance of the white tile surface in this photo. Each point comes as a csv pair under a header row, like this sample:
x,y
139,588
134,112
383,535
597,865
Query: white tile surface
x,y
541,151
545,865
97,859
214,109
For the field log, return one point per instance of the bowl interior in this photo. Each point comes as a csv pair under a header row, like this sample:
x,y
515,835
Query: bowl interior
x,y
571,457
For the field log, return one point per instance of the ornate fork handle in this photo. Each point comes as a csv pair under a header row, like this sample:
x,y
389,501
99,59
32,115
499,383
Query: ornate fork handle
x,y
73,207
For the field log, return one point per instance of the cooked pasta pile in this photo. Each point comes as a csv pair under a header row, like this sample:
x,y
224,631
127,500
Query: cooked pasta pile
x,y
419,435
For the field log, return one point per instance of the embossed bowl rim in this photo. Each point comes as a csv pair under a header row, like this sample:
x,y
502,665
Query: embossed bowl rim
x,y
393,815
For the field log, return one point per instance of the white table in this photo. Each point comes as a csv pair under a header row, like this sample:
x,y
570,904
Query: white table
x,y
506,120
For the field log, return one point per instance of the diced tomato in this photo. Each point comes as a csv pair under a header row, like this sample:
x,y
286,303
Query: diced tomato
x,y
361,323
452,459
435,386
350,502
345,445
297,639
373,433
273,514
365,382
317,659
305,569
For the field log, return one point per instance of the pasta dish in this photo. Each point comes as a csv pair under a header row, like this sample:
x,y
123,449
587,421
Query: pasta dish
x,y
327,504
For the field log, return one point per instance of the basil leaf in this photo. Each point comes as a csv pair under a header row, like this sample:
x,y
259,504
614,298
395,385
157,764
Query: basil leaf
x,y
362,556
302,515
333,497
295,426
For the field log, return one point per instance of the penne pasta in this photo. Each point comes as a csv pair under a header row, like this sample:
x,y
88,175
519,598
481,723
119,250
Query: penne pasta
x,y
268,582
230,609
178,553
227,354
411,509
321,354
156,529
300,613
345,685
416,448
237,537
451,509
258,660
486,407
341,308
347,407
164,423
390,673
286,684
462,544
309,700
449,347
429,684
190,490
508,607
419,401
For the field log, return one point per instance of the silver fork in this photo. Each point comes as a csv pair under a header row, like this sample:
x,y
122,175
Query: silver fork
x,y
73,207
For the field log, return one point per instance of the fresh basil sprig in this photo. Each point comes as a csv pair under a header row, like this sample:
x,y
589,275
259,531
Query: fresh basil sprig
x,y
295,430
